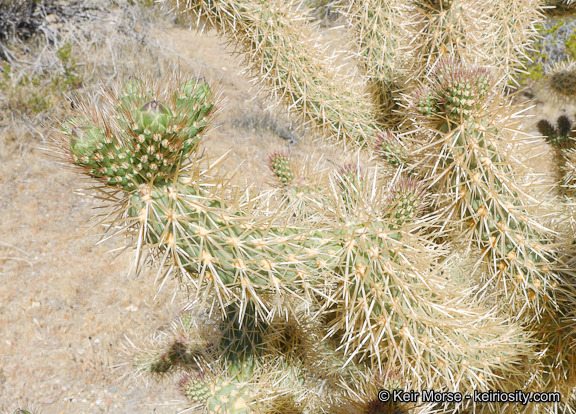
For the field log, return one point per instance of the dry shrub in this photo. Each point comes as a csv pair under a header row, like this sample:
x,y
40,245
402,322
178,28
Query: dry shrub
x,y
67,49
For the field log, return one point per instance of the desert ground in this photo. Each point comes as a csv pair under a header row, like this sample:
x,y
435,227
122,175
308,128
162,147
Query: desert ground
x,y
69,307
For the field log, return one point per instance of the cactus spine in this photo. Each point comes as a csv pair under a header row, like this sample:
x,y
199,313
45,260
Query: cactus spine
x,y
473,177
375,32
473,171
299,75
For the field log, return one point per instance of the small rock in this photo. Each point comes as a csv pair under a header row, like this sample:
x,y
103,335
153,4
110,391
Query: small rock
x,y
52,18
132,308
50,400
113,389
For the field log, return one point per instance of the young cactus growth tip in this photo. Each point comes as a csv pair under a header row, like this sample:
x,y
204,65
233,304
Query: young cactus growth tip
x,y
143,136
406,201
195,387
456,94
559,135
279,164
387,146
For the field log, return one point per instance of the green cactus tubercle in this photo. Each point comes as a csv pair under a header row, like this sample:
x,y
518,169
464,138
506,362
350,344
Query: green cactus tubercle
x,y
388,147
457,92
218,395
150,139
279,164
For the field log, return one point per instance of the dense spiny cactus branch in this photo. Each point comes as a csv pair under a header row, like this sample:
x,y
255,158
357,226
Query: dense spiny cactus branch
x,y
280,50
467,165
376,35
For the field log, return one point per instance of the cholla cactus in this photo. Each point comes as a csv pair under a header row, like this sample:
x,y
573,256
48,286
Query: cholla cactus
x,y
301,185
559,135
474,177
520,264
443,276
560,85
